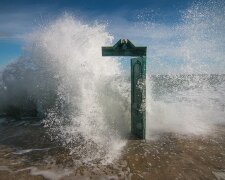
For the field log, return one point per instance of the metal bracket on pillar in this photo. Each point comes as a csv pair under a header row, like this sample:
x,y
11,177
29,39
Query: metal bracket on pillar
x,y
138,85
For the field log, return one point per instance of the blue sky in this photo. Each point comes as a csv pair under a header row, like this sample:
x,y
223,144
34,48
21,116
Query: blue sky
x,y
20,17
158,24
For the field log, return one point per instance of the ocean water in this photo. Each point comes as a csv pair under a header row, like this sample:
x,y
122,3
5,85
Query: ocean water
x,y
65,109
185,139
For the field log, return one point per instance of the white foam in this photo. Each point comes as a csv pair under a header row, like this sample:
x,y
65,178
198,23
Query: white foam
x,y
219,175
51,174
24,151
5,168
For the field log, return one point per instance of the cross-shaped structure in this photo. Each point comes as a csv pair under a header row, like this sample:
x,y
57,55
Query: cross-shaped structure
x,y
138,82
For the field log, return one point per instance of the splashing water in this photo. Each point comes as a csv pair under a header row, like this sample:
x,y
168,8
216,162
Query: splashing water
x,y
92,96
84,95
85,98
189,100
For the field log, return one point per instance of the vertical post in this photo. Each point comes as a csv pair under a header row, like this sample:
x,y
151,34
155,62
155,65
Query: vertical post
x,y
138,96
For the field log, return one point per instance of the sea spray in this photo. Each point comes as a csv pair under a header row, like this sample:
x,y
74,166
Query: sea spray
x,y
185,104
82,96
90,114
189,98
85,98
